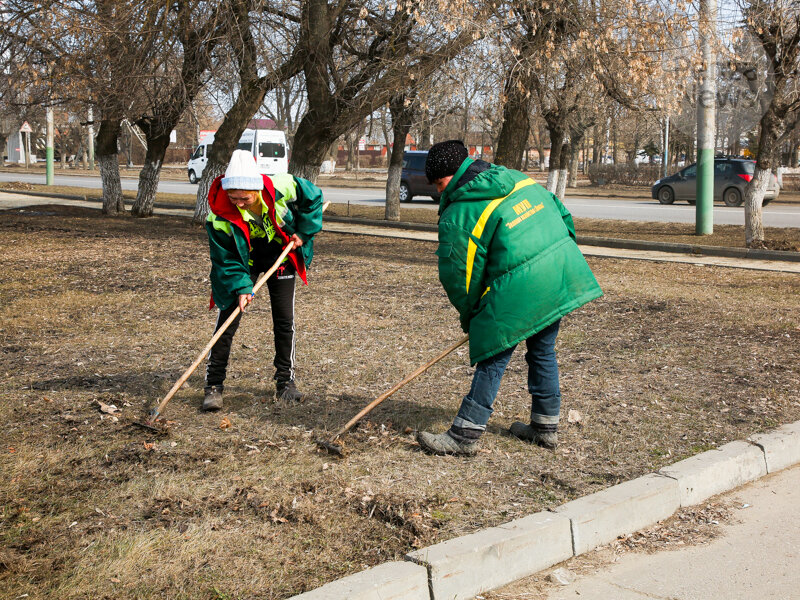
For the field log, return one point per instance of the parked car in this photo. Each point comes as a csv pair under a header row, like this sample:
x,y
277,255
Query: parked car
x,y
412,180
731,175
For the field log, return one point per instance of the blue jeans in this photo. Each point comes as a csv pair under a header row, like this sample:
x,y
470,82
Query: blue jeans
x,y
543,385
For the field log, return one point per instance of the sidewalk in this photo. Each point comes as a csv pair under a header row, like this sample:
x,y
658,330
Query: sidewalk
x,y
757,555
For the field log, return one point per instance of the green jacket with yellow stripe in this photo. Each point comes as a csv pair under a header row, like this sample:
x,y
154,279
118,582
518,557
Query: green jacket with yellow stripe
x,y
508,259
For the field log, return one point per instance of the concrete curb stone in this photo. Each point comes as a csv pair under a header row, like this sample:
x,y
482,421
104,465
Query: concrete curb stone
x,y
781,447
482,561
601,517
714,471
389,581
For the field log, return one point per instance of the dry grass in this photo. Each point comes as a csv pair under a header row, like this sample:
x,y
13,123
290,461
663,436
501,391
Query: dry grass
x,y
674,359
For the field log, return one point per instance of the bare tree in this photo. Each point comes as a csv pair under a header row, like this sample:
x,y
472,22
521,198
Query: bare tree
x,y
776,24
197,28
352,66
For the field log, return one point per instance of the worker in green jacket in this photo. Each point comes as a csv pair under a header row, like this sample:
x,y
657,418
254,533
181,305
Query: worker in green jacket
x,y
251,220
510,264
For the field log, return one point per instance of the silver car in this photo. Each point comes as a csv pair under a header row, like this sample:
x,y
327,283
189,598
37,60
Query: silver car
x,y
731,175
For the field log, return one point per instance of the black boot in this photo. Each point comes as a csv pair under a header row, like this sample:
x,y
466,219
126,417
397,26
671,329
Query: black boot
x,y
445,443
213,398
286,391
535,435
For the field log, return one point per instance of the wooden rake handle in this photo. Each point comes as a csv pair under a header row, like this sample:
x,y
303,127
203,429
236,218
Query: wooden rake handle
x,y
261,281
385,395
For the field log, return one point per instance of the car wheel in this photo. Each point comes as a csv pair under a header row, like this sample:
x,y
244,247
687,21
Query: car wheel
x,y
192,177
692,202
666,195
765,201
435,199
405,193
732,197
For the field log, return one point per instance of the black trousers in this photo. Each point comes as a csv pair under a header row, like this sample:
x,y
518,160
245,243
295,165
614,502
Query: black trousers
x,y
281,286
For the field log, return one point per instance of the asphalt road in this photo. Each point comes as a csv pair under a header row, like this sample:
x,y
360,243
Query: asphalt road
x,y
775,215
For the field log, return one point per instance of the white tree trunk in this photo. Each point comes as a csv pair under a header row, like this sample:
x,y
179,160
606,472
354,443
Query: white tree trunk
x,y
211,172
572,181
561,188
112,188
753,199
552,180
393,193
148,186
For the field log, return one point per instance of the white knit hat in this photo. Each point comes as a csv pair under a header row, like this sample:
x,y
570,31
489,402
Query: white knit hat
x,y
242,173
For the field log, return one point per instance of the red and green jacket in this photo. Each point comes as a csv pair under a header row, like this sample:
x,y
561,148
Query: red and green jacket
x,y
294,205
508,259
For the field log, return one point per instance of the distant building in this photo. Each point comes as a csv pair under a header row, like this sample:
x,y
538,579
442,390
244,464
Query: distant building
x,y
15,143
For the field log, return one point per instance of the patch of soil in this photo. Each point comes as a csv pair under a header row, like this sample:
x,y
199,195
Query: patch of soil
x,y
672,361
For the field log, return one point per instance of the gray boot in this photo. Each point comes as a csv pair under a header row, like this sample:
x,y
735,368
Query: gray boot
x,y
546,439
444,443
286,391
213,398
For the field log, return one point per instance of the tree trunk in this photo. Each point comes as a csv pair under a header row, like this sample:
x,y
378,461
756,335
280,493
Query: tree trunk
x,y
614,146
572,177
754,191
516,124
311,142
109,166
351,154
561,185
149,175
424,141
556,141
753,200
402,116
213,170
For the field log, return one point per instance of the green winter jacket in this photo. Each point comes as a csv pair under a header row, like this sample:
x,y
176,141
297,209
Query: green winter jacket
x,y
294,205
508,259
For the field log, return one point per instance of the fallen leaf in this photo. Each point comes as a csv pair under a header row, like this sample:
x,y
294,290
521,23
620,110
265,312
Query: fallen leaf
x,y
408,430
108,409
574,416
148,445
12,450
225,423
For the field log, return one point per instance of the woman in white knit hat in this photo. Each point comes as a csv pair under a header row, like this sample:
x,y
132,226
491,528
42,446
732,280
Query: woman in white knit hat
x,y
252,218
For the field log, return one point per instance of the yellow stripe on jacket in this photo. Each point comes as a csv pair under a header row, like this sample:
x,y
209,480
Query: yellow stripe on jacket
x,y
477,231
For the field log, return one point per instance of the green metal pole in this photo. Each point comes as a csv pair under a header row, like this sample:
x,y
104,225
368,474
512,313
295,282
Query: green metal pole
x,y
706,131
50,144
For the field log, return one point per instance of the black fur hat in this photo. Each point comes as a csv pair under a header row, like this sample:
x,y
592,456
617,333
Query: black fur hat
x,y
444,159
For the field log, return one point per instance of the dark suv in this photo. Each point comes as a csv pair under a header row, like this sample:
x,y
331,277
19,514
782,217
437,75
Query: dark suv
x,y
731,175
413,181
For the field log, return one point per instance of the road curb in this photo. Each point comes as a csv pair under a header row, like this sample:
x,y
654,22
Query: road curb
x,y
466,566
394,580
723,251
781,447
127,202
716,471
627,507
48,195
